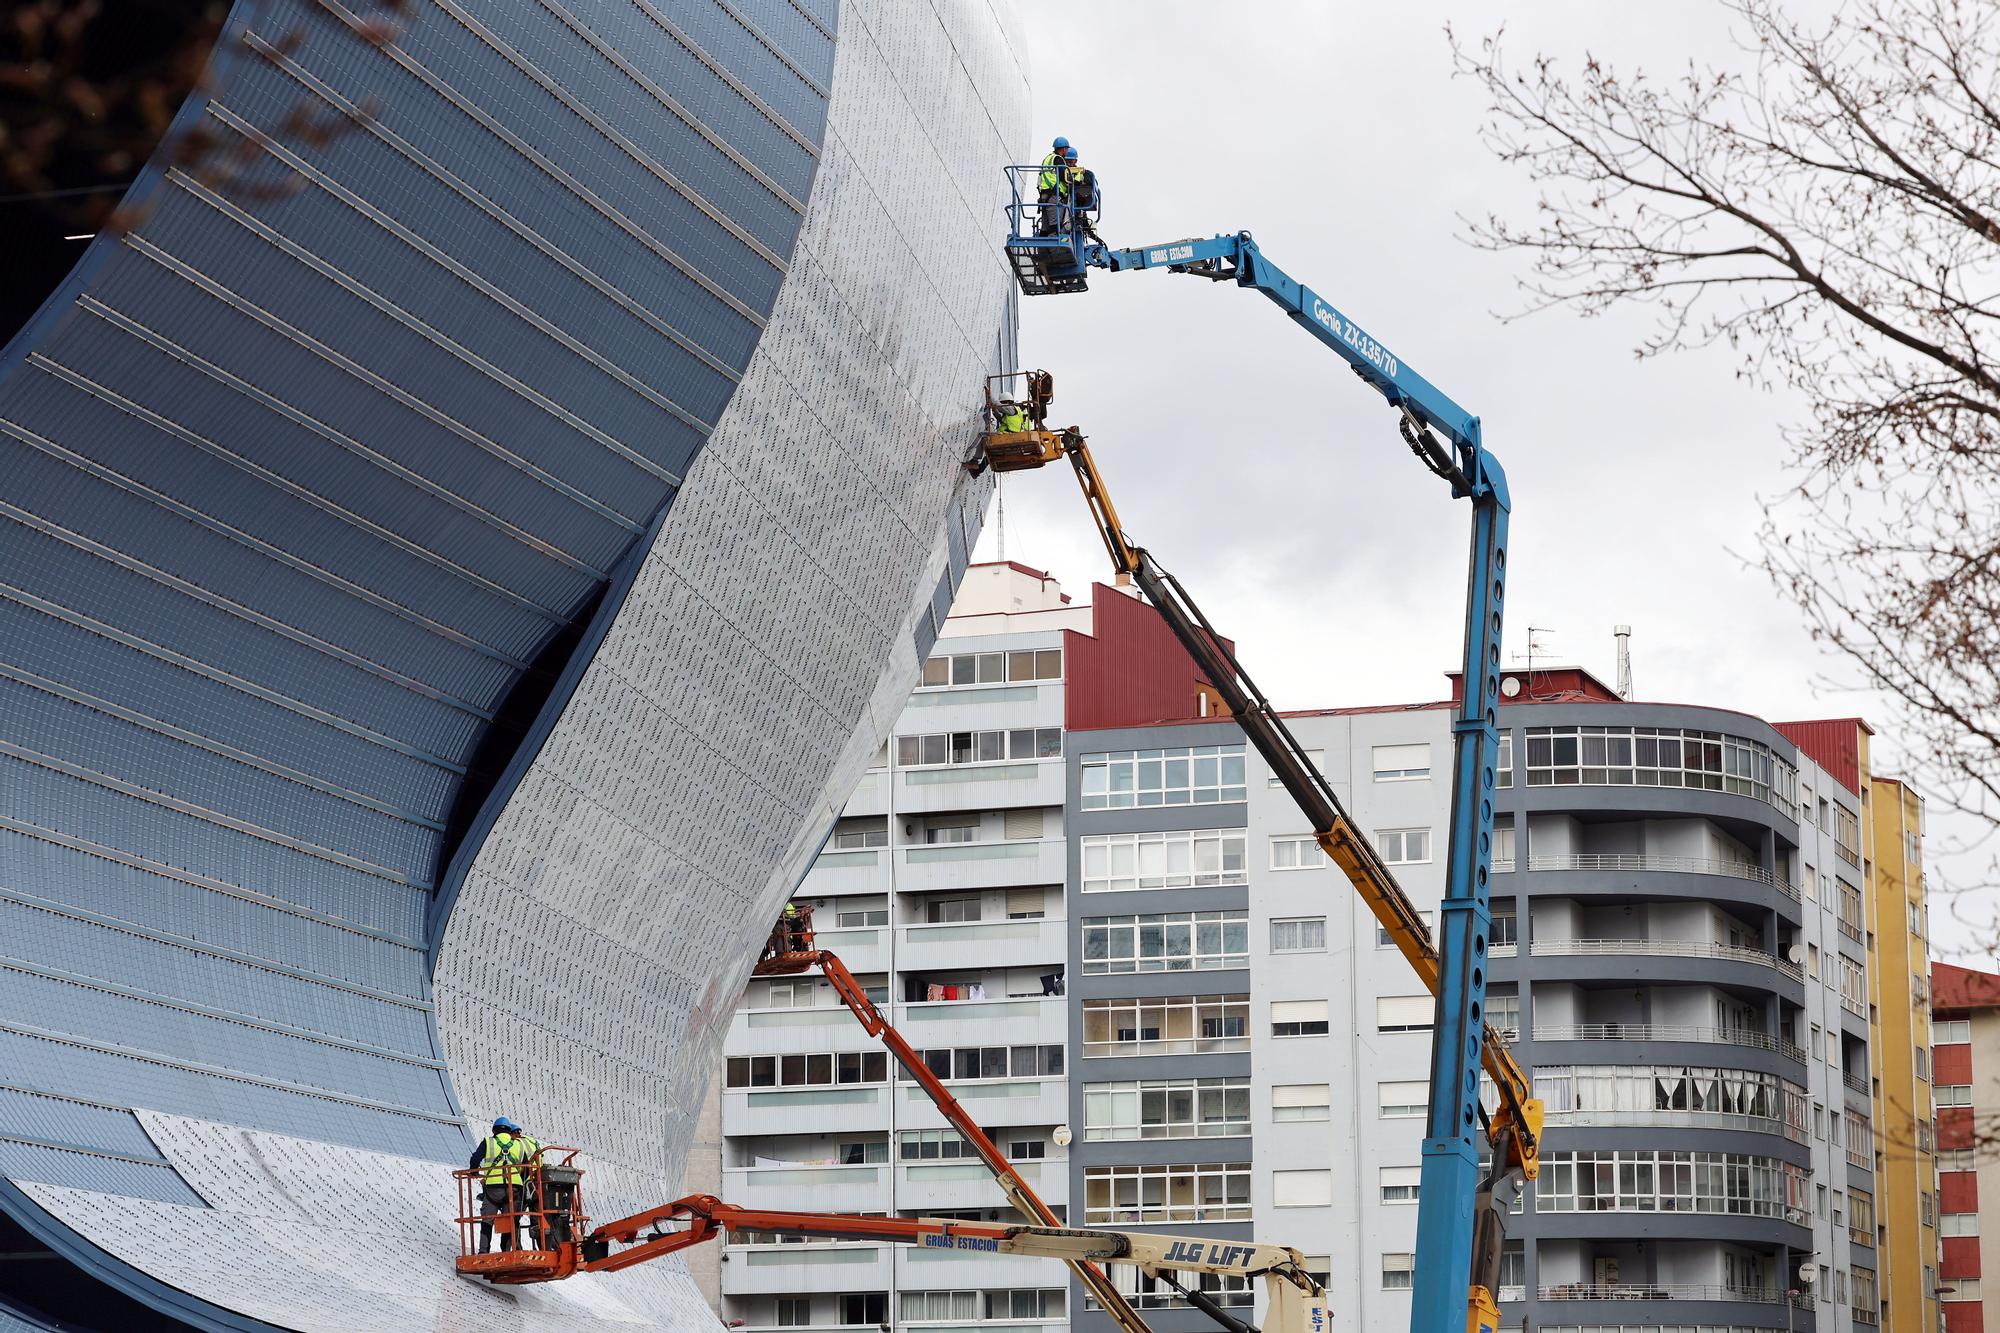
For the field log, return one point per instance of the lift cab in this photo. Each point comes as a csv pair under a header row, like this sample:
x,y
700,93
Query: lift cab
x,y
1046,242
538,1234
1018,450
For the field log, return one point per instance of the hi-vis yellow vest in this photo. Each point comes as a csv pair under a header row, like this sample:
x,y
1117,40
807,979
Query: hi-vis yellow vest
x,y
505,1155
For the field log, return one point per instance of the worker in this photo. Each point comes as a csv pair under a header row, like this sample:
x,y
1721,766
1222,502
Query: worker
x,y
1010,416
795,928
504,1155
1079,185
1049,191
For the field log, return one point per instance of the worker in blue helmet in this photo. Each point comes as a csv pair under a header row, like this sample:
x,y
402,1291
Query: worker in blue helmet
x,y
506,1157
1079,191
1048,188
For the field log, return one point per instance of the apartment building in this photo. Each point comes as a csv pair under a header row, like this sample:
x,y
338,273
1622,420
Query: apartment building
x,y
1106,925
1965,1073
942,888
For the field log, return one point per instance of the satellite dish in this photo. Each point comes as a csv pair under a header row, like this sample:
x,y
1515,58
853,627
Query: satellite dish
x,y
1061,1136
1808,1273
1796,954
1510,686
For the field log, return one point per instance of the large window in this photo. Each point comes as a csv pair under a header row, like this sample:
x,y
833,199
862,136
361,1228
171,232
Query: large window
x,y
933,1145
965,1307
1401,763
1166,942
1643,1181
1399,1271
942,748
1673,1094
1298,934
1145,1293
1166,1193
1403,846
1948,1031
806,1071
1177,775
1178,1108
988,1062
1404,1013
1402,1100
1398,1184
1169,1025
992,668
1298,1018
1658,757
1300,1101
1188,858
1296,851
1852,923
1853,987
1847,835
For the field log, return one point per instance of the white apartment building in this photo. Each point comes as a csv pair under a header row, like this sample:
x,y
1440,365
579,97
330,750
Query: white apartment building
x,y
941,888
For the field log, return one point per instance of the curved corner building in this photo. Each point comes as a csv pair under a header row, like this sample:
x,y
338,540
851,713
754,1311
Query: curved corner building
x,y
457,558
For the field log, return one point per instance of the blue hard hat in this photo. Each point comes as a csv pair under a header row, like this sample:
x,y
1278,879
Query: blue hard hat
x,y
1060,142
502,1123
1069,153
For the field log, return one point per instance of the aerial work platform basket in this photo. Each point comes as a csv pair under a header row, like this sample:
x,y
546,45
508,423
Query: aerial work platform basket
x,y
1046,240
532,1233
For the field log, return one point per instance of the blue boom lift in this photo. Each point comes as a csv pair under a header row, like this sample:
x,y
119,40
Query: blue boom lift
x,y
1460,1227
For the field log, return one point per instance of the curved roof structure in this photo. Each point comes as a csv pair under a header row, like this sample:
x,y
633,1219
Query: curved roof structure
x,y
462,543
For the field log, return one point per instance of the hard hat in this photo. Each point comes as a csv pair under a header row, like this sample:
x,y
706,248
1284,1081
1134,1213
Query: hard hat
x,y
1060,142
1070,153
502,1123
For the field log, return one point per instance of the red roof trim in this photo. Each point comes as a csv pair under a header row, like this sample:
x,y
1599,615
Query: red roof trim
x,y
1963,988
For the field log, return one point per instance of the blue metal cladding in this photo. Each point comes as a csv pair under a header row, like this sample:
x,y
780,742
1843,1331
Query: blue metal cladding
x,y
297,478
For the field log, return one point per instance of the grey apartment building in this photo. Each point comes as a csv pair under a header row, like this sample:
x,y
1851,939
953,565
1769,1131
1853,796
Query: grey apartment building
x,y
1186,1020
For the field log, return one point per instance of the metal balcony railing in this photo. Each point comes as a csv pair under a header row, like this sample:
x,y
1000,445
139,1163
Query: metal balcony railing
x,y
1757,1041
1665,949
1670,1291
1856,1083
1685,865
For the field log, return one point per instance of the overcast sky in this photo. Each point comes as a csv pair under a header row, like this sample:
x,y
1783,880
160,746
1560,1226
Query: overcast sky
x,y
1257,468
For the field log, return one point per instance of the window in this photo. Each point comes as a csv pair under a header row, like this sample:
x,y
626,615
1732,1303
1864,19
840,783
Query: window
x,y
1399,1183
933,1145
1960,1289
1672,1095
1812,961
1506,930
1861,1217
1193,858
1860,1138
1504,843
1404,846
1027,1150
1503,1013
1296,853
1818,1042
1177,775
867,916
1317,758
1402,1100
1957,1159
1922,1062
864,1307
1927,1208
991,1062
1170,1025
794,1311
1166,942
1847,835
1302,1189
1404,1013
1503,764
1176,1108
1299,1101
936,833
1145,1293
1382,940
806,1071
1851,920
1298,1018
943,911
1398,1271
1952,1094
1946,1031
1658,757
978,747
1298,934
992,668
1958,1224
1166,1193
938,1306
1402,763
1853,987
1646,1181
850,838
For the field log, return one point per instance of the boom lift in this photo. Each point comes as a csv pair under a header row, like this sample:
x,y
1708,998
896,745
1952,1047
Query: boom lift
x,y
1454,1242
557,1245
1297,1304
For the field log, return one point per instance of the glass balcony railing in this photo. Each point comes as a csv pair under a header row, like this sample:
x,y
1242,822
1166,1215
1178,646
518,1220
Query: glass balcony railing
x,y
1665,949
1756,1041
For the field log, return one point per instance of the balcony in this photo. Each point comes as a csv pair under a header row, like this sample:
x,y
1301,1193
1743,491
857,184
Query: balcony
x,y
1670,1291
968,1184
1664,949
809,1187
1040,943
824,1027
1681,865
813,1110
993,1103
753,1270
862,948
979,786
1856,1083
981,865
1756,1041
1755,1124
948,1270
1033,1021
857,870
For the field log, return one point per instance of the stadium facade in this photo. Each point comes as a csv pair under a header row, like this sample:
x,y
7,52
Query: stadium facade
x,y
459,557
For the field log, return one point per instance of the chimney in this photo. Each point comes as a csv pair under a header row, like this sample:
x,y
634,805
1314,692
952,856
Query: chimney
x,y
1623,633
